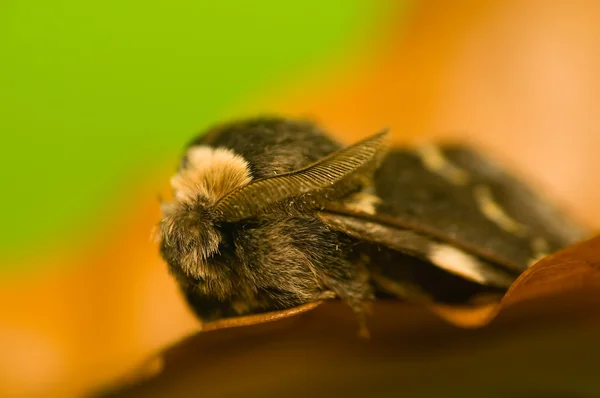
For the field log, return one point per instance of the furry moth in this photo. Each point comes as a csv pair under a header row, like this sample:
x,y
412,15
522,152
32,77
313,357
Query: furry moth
x,y
269,214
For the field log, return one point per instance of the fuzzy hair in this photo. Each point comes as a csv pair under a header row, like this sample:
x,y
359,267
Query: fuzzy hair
x,y
210,173
187,230
272,261
189,237
278,263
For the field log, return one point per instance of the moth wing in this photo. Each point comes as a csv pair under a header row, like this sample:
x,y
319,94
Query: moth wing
x,y
540,217
457,210
460,287
451,194
369,228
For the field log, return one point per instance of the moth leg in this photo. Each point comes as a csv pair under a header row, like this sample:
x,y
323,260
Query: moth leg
x,y
354,288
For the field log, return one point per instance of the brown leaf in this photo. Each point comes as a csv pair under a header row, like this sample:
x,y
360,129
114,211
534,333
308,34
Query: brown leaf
x,y
543,343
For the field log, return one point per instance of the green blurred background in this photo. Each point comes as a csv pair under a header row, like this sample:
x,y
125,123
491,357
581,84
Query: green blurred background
x,y
97,100
95,94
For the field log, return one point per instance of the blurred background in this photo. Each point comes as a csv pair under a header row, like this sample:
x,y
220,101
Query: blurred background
x,y
97,100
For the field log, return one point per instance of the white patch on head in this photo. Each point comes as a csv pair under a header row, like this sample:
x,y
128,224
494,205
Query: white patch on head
x,y
460,263
210,173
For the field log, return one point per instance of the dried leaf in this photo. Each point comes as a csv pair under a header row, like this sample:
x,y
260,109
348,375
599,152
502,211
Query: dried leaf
x,y
542,342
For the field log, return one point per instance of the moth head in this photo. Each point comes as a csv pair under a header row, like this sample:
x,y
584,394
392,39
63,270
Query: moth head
x,y
214,187
189,228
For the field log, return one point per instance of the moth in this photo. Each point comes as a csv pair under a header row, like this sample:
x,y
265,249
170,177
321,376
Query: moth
x,y
271,214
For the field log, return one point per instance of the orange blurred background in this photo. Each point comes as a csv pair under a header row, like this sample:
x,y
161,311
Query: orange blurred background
x,y
519,79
